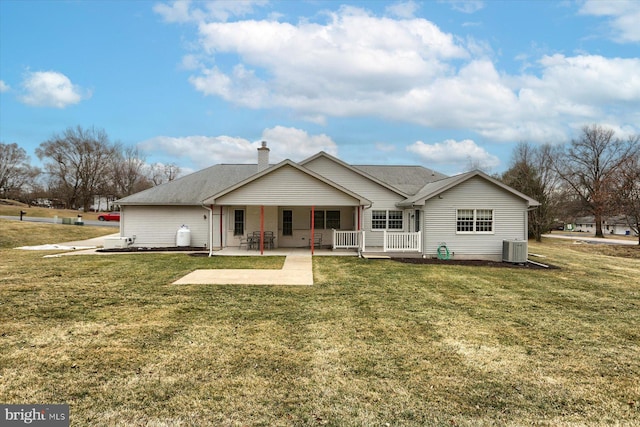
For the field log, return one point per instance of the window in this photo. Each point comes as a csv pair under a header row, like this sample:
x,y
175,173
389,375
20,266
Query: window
x,y
333,220
386,220
326,220
238,222
465,221
318,220
379,220
474,221
484,220
287,223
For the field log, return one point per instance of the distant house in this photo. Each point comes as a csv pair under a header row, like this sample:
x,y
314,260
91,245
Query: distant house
x,y
102,203
617,225
396,209
585,224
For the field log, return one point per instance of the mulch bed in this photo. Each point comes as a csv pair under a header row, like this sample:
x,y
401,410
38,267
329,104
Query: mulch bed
x,y
167,249
474,262
200,251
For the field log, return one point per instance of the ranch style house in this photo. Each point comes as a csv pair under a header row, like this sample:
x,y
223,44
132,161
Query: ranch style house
x,y
324,202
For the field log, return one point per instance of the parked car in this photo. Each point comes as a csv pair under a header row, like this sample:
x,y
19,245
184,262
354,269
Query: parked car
x,y
109,216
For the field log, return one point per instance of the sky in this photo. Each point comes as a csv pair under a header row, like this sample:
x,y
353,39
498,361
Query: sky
x,y
449,85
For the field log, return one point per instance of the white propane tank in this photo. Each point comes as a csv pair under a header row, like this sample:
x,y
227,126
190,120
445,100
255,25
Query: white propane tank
x,y
183,237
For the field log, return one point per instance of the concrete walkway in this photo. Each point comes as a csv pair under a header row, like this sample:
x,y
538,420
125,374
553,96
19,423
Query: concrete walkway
x,y
297,270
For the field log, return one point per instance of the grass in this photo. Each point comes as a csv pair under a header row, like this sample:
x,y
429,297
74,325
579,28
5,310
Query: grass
x,y
13,208
371,343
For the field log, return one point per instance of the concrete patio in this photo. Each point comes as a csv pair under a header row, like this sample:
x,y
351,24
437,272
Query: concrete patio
x,y
297,270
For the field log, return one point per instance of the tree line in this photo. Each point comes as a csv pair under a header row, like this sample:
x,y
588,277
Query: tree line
x,y
78,164
596,174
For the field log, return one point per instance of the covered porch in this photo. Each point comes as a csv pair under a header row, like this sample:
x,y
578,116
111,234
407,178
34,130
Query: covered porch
x,y
269,228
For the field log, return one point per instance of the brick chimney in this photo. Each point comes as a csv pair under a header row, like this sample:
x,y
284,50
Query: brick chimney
x,y
263,157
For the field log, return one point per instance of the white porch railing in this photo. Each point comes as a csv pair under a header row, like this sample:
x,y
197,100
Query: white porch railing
x,y
402,242
393,241
348,239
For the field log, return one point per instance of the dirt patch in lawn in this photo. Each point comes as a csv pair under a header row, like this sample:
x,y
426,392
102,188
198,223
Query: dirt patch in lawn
x,y
475,263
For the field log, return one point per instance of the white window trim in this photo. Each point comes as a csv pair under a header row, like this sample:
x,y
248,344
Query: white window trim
x,y
387,220
232,225
475,220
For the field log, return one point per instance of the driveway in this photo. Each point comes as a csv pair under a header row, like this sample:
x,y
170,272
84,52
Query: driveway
x,y
92,222
593,240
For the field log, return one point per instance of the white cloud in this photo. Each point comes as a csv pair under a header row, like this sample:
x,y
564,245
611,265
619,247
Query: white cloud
x,y
296,144
404,10
177,11
385,148
356,64
218,10
204,151
466,6
51,89
350,66
4,87
624,17
450,152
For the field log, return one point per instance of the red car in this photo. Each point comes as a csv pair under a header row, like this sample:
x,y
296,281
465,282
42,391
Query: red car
x,y
110,216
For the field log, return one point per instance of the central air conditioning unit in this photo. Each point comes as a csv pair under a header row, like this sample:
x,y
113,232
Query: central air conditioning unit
x,y
117,242
514,251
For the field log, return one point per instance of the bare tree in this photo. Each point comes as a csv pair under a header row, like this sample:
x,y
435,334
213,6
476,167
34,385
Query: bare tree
x,y
628,191
589,166
128,173
16,174
78,163
532,173
160,173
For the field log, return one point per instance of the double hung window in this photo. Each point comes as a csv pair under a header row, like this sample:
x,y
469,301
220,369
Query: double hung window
x,y
238,222
386,220
474,221
326,220
287,223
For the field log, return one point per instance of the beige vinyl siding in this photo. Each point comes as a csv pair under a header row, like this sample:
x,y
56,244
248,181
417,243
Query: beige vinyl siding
x,y
156,226
273,222
382,197
302,222
287,186
251,222
440,214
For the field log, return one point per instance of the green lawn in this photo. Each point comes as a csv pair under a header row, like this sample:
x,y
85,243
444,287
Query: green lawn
x,y
371,343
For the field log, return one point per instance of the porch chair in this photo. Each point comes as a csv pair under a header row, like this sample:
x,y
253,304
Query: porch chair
x,y
245,241
317,240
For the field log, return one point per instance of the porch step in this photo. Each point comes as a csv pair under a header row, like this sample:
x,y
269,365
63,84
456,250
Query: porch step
x,y
375,256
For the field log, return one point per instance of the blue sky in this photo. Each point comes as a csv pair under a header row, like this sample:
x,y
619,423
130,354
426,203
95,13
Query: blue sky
x,y
444,84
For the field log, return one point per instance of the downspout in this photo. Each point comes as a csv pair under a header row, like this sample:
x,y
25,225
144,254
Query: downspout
x,y
363,246
313,226
210,228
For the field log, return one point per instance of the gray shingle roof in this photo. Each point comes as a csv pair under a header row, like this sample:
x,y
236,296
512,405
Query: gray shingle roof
x,y
198,186
194,188
407,179
432,189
